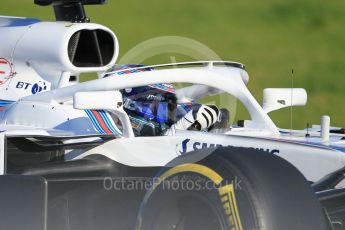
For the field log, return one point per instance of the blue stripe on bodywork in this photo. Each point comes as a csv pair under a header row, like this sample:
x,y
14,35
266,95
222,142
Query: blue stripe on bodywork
x,y
4,103
95,122
341,149
310,143
13,22
108,122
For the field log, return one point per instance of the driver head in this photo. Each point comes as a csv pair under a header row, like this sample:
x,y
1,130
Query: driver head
x,y
151,108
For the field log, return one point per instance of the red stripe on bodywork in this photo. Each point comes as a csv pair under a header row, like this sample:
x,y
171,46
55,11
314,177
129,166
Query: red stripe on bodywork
x,y
2,72
101,122
3,62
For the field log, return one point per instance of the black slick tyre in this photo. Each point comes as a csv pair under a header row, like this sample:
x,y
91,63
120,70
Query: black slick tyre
x,y
230,189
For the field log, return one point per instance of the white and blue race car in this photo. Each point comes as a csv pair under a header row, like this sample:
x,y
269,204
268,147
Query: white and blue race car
x,y
69,150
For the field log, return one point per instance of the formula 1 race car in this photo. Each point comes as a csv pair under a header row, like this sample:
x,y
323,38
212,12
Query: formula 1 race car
x,y
73,155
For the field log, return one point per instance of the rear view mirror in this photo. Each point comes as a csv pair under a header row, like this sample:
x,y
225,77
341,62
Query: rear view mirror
x,y
108,100
277,98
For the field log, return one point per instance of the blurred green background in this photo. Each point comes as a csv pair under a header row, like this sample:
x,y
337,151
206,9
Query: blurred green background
x,y
269,36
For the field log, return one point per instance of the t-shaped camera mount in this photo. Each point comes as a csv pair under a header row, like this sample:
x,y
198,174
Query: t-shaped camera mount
x,y
70,10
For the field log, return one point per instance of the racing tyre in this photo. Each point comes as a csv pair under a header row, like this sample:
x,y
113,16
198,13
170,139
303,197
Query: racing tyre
x,y
230,189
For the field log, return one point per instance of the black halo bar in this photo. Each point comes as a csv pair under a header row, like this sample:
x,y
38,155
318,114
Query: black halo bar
x,y
70,10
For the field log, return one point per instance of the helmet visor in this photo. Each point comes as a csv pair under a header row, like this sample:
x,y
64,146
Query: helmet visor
x,y
152,110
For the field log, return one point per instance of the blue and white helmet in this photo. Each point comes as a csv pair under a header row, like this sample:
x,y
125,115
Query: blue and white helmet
x,y
151,108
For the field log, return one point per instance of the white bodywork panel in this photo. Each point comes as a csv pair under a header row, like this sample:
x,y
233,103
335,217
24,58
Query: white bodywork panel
x,y
38,56
40,115
312,160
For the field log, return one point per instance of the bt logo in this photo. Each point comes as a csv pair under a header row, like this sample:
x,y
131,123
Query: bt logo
x,y
35,88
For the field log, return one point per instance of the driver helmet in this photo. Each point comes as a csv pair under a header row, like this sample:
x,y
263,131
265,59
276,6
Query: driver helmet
x,y
152,109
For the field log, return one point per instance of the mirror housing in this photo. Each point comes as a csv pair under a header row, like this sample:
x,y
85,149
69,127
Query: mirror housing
x,y
105,100
278,98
